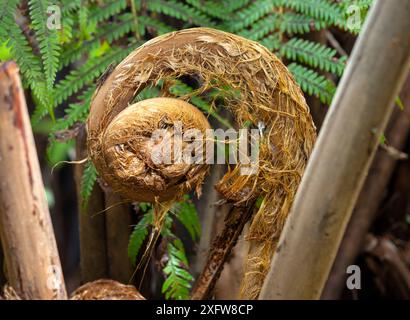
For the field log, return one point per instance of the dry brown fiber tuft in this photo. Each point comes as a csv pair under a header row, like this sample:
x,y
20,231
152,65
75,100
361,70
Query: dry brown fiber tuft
x,y
268,94
106,289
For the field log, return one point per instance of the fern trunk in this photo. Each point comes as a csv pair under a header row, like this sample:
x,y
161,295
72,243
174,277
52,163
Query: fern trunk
x,y
342,155
26,232
370,198
93,250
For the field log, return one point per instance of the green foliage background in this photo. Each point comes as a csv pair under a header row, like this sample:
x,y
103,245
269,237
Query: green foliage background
x,y
60,68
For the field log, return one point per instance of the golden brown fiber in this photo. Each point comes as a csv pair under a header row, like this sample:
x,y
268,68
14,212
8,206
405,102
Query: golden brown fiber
x,y
127,150
268,95
105,289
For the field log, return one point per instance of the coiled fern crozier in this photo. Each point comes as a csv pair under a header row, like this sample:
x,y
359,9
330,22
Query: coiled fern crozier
x,y
60,67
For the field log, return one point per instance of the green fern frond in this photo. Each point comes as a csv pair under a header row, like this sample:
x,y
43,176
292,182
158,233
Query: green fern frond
x,y
210,8
313,54
109,33
361,4
206,107
158,25
87,182
70,5
68,12
313,83
180,89
139,234
66,32
126,23
323,10
7,10
147,93
250,14
76,112
101,13
180,11
272,42
87,73
186,213
47,39
233,5
166,230
86,26
364,4
73,52
29,63
294,23
30,66
262,28
354,7
178,280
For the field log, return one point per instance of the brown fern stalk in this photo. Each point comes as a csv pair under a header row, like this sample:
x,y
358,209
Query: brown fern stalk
x,y
219,253
26,232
